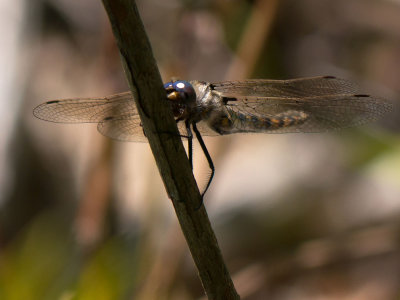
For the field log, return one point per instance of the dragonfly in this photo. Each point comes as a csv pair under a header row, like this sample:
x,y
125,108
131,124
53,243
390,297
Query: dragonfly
x,y
315,104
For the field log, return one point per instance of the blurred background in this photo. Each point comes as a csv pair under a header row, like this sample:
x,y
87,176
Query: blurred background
x,y
297,216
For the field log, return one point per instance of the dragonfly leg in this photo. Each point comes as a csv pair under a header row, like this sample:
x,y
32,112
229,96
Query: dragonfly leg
x,y
181,135
209,160
190,143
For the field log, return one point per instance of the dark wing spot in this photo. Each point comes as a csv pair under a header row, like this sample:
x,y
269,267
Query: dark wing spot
x,y
361,95
227,99
108,118
329,77
52,102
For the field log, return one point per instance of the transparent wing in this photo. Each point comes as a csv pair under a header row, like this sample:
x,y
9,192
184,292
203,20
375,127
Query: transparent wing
x,y
86,110
293,88
126,128
311,114
116,115
324,103
202,126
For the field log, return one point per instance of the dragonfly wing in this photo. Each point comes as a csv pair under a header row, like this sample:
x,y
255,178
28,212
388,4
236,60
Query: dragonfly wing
x,y
315,104
302,87
128,128
306,114
125,128
205,129
202,126
86,110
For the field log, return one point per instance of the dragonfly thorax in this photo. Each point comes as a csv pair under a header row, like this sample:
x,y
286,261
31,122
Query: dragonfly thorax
x,y
209,102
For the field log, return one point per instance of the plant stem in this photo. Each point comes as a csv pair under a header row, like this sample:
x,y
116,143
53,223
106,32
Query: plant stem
x,y
145,82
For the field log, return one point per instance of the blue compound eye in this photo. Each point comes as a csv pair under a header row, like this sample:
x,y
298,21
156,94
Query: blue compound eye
x,y
180,90
181,85
169,86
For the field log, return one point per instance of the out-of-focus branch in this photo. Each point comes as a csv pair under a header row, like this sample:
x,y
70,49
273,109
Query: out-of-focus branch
x,y
253,39
157,120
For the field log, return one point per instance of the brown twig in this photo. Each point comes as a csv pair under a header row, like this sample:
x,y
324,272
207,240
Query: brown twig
x,y
145,81
253,39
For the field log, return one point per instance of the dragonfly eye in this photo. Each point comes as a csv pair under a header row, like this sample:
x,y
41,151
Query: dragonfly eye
x,y
180,91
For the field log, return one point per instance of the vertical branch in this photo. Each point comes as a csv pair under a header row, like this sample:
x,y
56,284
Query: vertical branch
x,y
255,34
145,82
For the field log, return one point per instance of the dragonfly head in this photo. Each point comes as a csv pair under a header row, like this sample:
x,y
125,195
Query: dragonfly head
x,y
181,94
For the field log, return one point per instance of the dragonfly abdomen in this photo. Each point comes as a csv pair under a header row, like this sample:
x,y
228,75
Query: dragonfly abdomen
x,y
236,122
253,123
